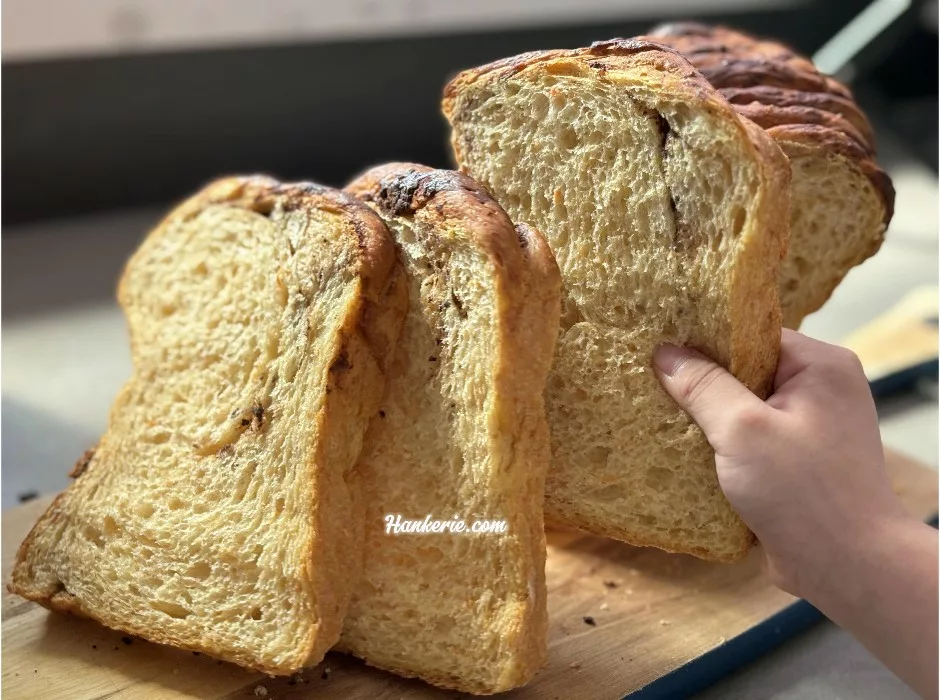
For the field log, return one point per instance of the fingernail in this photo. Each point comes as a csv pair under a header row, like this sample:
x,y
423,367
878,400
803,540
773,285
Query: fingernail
x,y
668,358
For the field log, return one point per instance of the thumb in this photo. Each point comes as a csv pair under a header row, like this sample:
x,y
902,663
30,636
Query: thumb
x,y
702,387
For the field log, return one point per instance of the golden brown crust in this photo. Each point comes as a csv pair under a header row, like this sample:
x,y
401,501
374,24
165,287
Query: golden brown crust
x,y
719,51
752,69
768,116
755,306
770,96
405,189
754,75
82,464
368,333
612,54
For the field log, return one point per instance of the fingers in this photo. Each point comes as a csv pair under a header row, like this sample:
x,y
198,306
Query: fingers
x,y
796,354
799,354
703,388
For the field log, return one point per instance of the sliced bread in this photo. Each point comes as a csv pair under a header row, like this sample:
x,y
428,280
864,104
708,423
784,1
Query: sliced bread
x,y
214,514
667,214
461,434
842,201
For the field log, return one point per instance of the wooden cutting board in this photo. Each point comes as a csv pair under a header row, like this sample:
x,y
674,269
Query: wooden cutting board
x,y
622,618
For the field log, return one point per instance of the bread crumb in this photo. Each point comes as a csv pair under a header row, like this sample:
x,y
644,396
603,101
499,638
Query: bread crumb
x,y
575,665
261,691
588,620
610,584
664,622
604,606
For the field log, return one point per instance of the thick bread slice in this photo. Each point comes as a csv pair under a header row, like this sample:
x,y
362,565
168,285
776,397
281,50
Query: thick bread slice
x,y
462,432
841,201
214,514
667,214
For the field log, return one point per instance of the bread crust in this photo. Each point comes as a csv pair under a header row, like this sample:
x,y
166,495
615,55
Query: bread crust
x,y
369,333
756,312
609,55
769,96
719,51
755,309
527,287
769,116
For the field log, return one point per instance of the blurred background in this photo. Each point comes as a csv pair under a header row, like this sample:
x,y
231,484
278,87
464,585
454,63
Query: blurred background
x,y
117,103
116,108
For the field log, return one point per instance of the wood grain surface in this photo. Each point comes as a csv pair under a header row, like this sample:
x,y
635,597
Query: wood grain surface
x,y
621,617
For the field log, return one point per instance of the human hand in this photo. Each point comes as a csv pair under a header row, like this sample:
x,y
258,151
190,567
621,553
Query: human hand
x,y
805,469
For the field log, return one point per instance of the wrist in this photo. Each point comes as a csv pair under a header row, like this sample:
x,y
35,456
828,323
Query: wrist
x,y
838,577
883,591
